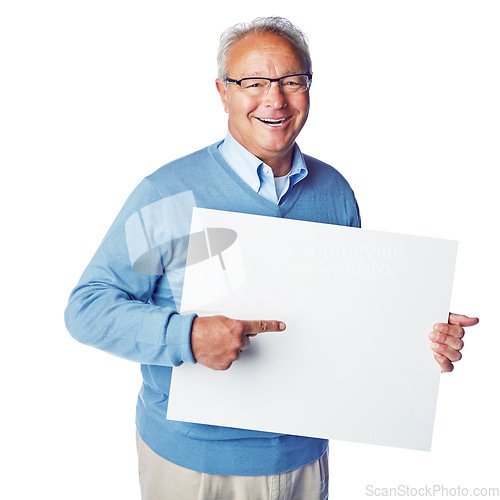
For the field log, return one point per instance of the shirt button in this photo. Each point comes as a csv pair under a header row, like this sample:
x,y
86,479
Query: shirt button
x,y
266,170
255,186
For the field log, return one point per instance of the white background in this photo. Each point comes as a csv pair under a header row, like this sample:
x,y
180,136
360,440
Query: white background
x,y
96,95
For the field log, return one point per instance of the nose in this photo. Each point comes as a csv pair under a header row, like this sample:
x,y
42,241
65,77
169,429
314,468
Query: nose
x,y
275,97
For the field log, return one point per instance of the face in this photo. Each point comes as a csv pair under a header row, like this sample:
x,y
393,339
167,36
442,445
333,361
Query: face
x,y
269,56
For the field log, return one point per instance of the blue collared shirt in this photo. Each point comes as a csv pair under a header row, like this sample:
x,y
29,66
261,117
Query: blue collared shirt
x,y
256,173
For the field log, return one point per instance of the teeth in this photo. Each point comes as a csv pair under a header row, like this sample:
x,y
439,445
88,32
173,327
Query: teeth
x,y
271,121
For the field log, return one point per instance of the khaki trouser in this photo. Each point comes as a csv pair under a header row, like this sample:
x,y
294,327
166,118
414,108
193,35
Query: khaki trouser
x,y
163,480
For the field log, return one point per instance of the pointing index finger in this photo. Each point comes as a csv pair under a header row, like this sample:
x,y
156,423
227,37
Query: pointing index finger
x,y
253,327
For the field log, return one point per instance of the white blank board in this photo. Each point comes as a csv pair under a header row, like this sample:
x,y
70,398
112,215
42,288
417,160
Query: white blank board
x,y
354,363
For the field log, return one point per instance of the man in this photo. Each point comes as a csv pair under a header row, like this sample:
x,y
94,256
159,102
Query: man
x,y
122,306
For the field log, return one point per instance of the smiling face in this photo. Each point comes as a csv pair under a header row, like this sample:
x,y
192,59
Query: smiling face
x,y
266,125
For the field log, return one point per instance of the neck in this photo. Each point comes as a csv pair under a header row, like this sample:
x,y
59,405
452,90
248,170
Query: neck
x,y
280,163
280,166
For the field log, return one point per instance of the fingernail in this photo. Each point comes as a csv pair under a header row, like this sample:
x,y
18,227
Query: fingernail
x,y
282,325
434,336
434,345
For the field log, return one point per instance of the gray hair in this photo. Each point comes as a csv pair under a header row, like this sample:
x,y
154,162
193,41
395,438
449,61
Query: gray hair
x,y
276,25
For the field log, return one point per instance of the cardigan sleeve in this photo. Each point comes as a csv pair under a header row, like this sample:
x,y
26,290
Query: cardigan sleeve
x,y
110,308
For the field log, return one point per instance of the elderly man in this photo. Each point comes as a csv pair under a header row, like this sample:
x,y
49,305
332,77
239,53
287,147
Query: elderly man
x,y
264,79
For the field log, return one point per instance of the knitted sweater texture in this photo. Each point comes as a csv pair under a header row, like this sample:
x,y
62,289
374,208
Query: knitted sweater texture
x,y
132,312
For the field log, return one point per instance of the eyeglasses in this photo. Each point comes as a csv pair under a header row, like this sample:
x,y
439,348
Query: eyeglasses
x,y
289,84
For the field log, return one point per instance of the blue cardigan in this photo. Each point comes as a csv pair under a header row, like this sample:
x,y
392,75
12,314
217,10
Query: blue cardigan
x,y
133,313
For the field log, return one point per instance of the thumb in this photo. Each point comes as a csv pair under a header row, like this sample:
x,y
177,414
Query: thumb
x,y
462,320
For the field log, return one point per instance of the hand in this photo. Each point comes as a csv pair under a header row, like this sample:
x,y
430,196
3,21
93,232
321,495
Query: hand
x,y
217,341
447,340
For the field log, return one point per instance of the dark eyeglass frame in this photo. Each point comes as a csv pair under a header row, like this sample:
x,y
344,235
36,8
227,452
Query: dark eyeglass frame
x,y
271,80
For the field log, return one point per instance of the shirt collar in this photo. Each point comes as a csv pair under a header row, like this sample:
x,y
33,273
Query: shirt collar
x,y
246,165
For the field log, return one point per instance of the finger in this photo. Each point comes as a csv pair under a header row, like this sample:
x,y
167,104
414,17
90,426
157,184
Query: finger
x,y
449,340
445,364
447,351
453,330
462,320
253,327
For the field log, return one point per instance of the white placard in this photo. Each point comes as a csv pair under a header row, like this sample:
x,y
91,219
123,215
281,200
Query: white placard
x,y
354,362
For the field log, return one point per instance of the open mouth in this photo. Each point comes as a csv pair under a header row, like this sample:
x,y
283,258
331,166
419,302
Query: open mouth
x,y
274,122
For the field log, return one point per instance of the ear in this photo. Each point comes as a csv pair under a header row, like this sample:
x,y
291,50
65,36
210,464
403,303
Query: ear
x,y
221,88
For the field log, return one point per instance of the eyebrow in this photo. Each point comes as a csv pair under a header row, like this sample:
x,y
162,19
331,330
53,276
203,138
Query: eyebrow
x,y
258,74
